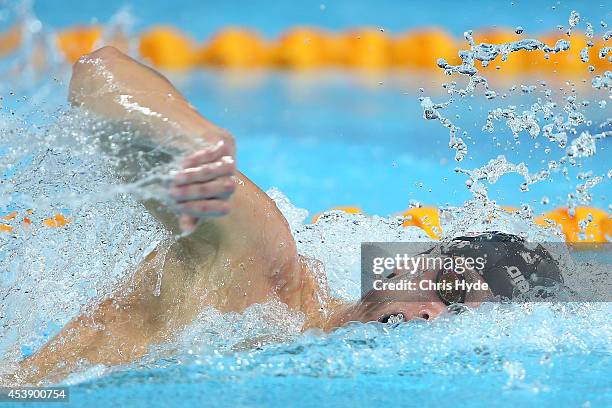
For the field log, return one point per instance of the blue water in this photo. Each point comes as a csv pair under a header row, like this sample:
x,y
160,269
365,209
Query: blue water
x,y
362,390
530,357
336,139
201,18
328,139
361,139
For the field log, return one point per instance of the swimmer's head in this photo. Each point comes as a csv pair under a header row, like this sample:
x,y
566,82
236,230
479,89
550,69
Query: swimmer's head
x,y
511,270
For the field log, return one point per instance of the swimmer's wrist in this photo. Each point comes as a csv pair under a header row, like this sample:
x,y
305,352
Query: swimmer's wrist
x,y
201,132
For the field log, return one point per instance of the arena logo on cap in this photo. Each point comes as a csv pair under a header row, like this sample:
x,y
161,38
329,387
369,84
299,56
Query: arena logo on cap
x,y
518,279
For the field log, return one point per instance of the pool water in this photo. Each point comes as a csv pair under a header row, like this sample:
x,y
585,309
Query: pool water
x,y
202,18
322,139
335,139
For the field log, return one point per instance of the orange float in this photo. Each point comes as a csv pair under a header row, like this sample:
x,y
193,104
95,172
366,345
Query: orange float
x,y
346,209
166,47
601,64
303,48
364,48
6,228
78,41
10,40
9,216
58,220
426,218
573,64
235,47
565,62
599,230
422,48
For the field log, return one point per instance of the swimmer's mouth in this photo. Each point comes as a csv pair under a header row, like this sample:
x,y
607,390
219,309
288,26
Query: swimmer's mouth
x,y
399,317
393,318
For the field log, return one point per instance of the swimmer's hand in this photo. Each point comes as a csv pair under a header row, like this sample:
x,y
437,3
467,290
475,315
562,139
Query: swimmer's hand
x,y
117,88
205,184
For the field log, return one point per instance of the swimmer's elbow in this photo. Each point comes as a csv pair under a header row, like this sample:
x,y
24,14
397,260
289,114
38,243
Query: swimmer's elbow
x,y
86,79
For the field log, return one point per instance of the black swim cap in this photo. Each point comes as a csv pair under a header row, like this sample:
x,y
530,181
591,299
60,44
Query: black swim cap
x,y
511,267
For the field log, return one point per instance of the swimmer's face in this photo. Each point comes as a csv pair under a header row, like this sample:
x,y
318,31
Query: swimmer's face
x,y
384,306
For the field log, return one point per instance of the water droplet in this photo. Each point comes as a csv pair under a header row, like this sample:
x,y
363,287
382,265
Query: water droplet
x,y
414,204
574,18
584,54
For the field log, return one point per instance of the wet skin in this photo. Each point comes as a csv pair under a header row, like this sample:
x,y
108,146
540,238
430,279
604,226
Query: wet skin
x,y
235,250
378,305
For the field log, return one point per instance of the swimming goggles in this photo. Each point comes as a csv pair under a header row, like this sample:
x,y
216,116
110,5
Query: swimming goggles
x,y
448,288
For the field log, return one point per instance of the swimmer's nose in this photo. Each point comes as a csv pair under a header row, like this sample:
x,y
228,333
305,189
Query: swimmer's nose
x,y
425,310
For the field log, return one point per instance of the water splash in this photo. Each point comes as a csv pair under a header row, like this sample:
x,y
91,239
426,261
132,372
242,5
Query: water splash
x,y
558,120
52,272
49,274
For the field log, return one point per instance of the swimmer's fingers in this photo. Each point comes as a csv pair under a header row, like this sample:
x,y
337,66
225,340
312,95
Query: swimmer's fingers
x,y
204,185
209,154
205,208
225,166
220,188
188,223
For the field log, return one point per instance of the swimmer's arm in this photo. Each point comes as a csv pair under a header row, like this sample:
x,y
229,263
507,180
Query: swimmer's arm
x,y
95,338
116,331
117,88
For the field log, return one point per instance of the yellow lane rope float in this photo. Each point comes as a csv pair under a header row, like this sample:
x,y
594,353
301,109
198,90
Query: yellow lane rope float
x,y
166,47
234,47
426,218
586,225
346,209
366,48
361,48
302,48
583,225
8,221
75,42
58,220
10,40
307,47
420,49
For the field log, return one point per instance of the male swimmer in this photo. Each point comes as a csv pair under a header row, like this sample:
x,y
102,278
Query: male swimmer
x,y
235,249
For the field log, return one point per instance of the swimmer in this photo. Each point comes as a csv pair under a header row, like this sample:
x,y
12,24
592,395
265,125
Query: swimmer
x,y
235,247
